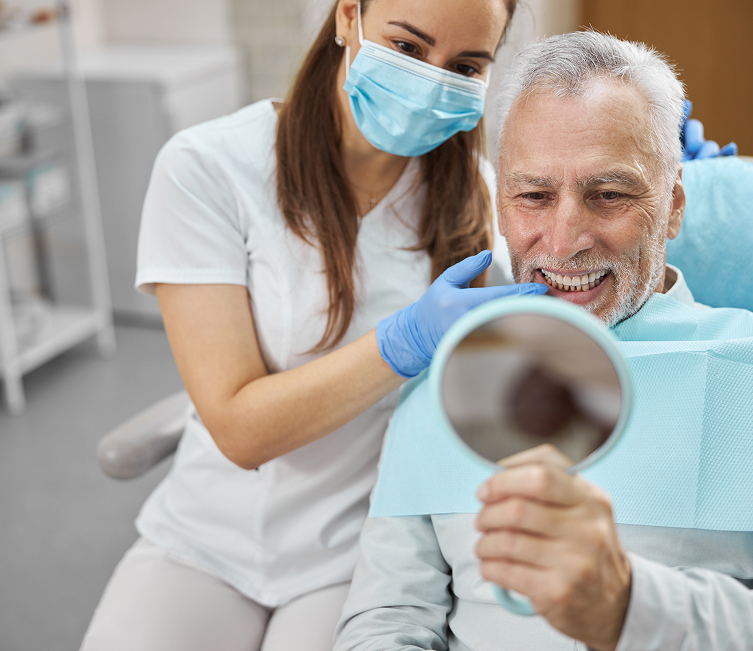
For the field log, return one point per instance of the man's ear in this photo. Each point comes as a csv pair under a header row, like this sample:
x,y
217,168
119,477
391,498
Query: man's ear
x,y
677,210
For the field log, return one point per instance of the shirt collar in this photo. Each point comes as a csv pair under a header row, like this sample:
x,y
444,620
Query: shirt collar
x,y
680,290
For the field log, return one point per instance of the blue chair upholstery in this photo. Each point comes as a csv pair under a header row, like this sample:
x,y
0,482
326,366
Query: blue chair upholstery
x,y
714,249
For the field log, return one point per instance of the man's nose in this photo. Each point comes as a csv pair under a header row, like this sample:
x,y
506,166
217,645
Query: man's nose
x,y
569,229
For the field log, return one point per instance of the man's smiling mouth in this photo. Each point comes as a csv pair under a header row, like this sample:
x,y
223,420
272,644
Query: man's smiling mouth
x,y
575,283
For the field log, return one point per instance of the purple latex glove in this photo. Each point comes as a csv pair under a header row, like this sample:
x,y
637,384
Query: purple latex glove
x,y
407,339
694,146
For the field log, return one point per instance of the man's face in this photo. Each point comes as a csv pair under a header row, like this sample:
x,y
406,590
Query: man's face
x,y
583,204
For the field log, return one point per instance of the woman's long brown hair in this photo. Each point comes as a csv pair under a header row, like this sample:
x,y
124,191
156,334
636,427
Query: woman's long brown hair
x,y
319,206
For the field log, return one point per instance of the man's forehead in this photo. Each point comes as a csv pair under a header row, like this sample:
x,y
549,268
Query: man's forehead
x,y
603,132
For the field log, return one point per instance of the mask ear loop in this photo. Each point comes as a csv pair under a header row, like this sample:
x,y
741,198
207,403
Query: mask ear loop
x,y
360,25
488,79
360,41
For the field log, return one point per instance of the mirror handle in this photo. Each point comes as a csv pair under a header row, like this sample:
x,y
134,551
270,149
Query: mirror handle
x,y
513,601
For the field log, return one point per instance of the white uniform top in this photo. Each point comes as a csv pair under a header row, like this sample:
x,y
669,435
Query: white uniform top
x,y
211,216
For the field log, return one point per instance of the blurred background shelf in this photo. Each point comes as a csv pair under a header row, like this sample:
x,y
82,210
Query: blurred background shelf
x,y
49,202
15,165
139,96
61,328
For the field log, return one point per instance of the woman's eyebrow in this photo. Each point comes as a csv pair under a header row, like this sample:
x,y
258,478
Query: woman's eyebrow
x,y
415,31
471,54
477,55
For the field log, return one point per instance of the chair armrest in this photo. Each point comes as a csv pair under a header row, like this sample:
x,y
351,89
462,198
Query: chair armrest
x,y
144,440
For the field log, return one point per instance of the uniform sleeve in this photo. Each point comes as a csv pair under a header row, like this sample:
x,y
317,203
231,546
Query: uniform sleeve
x,y
500,271
400,597
686,609
190,231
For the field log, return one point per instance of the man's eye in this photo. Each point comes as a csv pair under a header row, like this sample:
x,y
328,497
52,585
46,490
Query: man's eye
x,y
406,48
534,196
609,195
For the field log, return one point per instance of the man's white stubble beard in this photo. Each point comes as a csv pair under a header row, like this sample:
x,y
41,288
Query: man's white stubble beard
x,y
629,294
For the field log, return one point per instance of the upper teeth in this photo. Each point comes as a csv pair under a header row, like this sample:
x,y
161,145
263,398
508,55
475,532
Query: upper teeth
x,y
574,281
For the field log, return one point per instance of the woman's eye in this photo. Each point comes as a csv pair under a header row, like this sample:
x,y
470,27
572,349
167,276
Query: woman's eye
x,y
407,48
466,70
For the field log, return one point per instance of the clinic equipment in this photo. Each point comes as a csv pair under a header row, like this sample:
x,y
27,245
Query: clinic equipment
x,y
515,374
404,106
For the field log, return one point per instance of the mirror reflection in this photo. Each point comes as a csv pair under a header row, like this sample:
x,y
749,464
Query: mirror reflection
x,y
524,380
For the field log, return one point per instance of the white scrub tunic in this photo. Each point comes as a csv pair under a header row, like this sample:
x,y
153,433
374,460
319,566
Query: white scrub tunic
x,y
211,216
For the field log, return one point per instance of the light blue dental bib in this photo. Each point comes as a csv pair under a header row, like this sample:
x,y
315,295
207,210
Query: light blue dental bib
x,y
685,459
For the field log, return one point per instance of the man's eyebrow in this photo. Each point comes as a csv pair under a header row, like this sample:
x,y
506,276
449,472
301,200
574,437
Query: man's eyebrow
x,y
527,179
618,176
415,31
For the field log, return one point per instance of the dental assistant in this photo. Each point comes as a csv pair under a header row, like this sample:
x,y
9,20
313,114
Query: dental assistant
x,y
291,246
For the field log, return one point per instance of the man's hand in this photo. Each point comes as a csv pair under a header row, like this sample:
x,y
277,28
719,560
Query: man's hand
x,y
551,537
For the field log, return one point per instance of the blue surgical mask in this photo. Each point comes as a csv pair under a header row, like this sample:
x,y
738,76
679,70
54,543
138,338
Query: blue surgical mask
x,y
407,107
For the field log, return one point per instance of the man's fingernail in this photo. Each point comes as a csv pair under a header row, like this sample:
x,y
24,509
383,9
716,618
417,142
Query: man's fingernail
x,y
483,492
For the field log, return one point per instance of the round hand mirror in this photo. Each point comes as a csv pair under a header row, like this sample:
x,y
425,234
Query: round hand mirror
x,y
518,373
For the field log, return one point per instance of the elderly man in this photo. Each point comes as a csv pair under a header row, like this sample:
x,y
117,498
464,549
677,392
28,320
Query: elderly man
x,y
589,190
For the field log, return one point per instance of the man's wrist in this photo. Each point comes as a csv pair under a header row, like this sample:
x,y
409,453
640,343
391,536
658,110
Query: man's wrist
x,y
616,623
654,618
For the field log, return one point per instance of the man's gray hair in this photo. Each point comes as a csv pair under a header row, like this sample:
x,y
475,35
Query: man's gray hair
x,y
568,63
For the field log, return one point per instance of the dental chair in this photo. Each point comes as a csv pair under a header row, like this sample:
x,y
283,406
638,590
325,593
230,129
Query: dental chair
x,y
715,241
146,439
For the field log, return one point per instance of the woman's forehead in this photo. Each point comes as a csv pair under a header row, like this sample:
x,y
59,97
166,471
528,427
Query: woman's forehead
x,y
473,25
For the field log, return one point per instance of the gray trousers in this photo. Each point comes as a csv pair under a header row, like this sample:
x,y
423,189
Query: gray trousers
x,y
158,600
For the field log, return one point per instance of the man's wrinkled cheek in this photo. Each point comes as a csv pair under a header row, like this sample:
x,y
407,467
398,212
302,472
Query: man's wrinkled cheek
x,y
505,218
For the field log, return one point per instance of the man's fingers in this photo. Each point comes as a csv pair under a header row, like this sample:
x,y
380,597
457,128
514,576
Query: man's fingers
x,y
522,515
545,453
522,578
538,481
518,547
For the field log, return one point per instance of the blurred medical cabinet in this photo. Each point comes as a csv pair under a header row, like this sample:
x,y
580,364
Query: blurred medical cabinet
x,y
139,96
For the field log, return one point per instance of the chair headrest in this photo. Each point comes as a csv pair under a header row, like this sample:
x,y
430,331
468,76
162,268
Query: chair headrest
x,y
714,249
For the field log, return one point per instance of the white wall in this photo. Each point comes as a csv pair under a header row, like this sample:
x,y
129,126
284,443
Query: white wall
x,y
270,36
313,13
168,21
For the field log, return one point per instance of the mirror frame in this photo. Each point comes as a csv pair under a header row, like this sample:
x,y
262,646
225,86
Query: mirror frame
x,y
545,306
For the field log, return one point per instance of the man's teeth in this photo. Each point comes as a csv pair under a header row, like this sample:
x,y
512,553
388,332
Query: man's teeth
x,y
580,283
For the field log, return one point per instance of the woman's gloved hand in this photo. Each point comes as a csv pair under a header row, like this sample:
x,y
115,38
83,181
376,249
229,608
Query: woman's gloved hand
x,y
694,145
407,339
